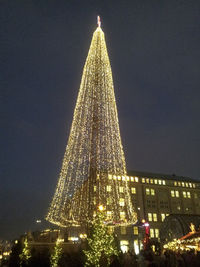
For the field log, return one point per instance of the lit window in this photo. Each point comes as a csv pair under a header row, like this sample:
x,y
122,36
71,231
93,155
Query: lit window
x,y
184,194
73,238
136,179
122,215
132,180
121,202
150,217
152,233
108,201
133,190
119,178
94,201
147,180
172,193
194,185
155,217
114,177
152,192
151,181
157,233
127,178
177,193
135,230
110,229
136,246
160,182
143,180
121,189
147,191
179,183
155,181
186,184
162,217
178,207
183,184
123,178
108,188
109,176
190,184
109,215
124,246
123,230
175,183
95,188
163,182
188,195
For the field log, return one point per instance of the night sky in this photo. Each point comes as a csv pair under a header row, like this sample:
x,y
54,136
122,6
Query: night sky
x,y
154,52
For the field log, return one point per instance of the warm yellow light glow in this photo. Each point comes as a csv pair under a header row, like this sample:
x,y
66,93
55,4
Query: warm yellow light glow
x,y
136,247
73,238
6,253
121,202
135,230
186,244
124,245
109,215
83,236
94,153
133,190
60,240
101,207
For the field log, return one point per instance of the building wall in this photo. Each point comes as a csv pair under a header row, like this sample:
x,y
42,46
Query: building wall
x,y
155,197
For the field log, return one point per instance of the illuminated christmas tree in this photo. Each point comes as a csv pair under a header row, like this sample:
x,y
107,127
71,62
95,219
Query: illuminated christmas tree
x,y
26,254
94,169
101,244
57,253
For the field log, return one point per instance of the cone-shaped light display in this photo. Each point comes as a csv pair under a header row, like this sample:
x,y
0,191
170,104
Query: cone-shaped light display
x,y
93,171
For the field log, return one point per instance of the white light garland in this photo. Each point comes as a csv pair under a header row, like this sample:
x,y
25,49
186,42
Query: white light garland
x,y
94,151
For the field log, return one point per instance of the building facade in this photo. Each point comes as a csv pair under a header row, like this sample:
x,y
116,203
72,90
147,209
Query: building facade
x,y
156,196
165,205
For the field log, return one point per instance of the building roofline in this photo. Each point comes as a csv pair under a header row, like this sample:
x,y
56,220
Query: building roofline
x,y
161,176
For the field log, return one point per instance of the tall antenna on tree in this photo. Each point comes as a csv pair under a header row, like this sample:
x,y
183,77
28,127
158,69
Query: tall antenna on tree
x,y
98,21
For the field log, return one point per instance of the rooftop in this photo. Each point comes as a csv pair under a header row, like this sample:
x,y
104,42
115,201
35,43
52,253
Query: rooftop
x,y
162,176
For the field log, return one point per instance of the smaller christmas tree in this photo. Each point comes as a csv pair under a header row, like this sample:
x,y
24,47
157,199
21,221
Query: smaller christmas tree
x,y
101,243
25,255
57,252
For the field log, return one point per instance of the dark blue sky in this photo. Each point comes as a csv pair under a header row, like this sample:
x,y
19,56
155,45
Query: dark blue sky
x,y
154,53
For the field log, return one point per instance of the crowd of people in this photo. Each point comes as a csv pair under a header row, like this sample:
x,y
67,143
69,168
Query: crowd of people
x,y
149,258
146,258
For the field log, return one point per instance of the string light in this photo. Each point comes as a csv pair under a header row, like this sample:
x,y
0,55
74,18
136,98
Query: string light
x,y
101,207
57,253
94,154
186,244
26,254
101,243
